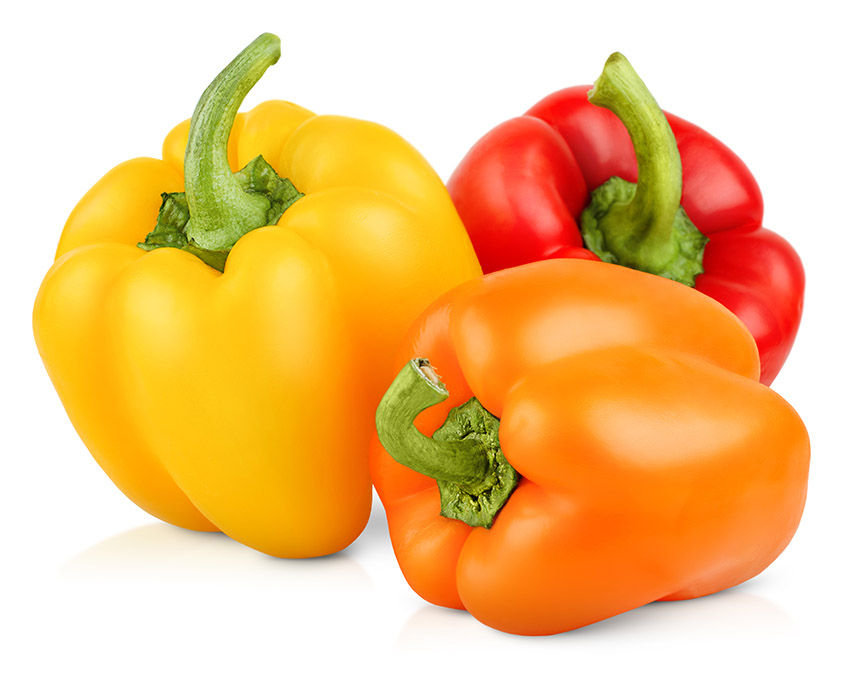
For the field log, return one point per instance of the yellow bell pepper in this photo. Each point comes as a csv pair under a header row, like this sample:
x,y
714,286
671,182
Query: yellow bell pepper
x,y
243,400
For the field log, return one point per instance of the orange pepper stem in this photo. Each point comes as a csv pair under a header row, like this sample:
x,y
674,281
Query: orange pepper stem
x,y
464,455
415,389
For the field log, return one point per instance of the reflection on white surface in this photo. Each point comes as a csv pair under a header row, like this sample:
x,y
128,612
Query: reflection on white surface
x,y
433,624
736,611
167,552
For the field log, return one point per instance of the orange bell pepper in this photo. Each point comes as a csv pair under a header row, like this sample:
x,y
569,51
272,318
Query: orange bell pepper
x,y
607,444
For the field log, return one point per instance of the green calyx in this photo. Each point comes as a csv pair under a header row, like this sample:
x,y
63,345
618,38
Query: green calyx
x,y
682,263
642,225
218,206
257,177
464,455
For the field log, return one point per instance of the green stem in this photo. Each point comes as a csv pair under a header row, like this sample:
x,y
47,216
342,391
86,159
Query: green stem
x,y
464,455
220,206
642,225
416,388
220,209
649,215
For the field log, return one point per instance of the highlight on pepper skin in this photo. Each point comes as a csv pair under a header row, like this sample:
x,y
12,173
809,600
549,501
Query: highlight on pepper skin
x,y
200,318
580,450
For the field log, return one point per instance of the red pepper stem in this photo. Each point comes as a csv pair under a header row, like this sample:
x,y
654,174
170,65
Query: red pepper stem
x,y
646,220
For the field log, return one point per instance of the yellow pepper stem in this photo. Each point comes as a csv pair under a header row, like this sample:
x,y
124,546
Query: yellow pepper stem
x,y
220,206
221,211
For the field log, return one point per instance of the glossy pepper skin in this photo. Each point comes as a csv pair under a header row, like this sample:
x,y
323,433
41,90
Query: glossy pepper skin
x,y
522,188
243,401
653,464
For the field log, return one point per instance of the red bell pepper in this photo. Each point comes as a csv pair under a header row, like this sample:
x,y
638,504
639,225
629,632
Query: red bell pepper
x,y
559,179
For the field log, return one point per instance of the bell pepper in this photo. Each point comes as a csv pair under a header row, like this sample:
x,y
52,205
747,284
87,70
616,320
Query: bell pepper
x,y
604,170
570,439
207,318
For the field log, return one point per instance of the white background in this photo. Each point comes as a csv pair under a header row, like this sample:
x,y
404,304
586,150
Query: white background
x,y
96,591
